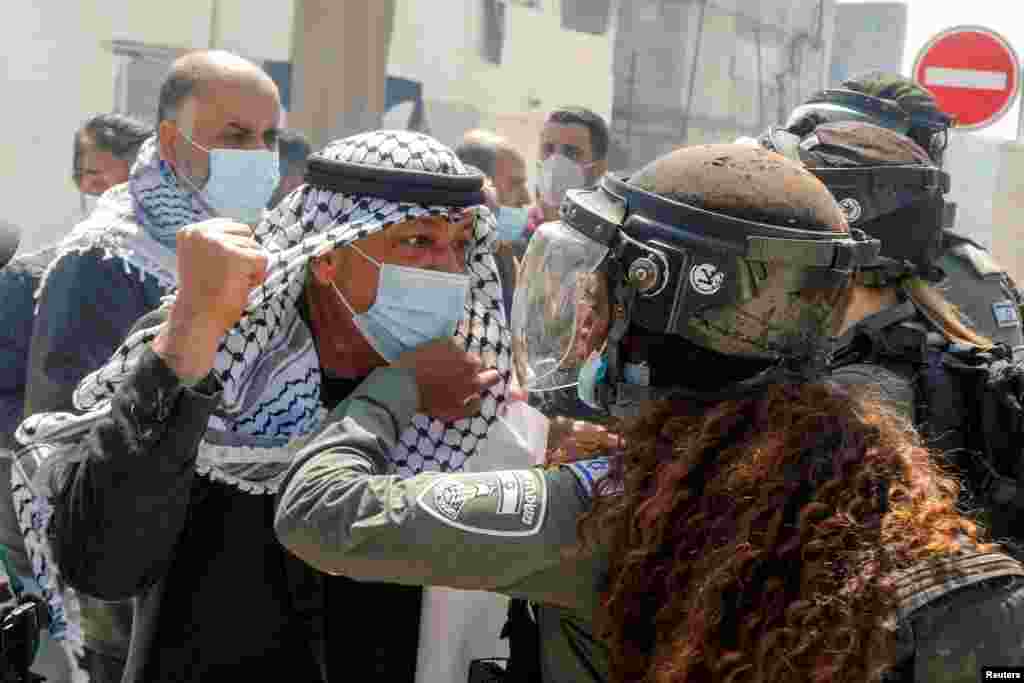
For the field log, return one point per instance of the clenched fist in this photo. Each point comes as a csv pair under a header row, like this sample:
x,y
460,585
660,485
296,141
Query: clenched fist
x,y
219,265
450,380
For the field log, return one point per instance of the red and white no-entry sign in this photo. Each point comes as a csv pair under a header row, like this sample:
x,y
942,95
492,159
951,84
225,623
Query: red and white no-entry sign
x,y
973,73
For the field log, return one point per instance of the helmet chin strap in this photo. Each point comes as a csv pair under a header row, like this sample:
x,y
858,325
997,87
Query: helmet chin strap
x,y
625,296
630,399
797,365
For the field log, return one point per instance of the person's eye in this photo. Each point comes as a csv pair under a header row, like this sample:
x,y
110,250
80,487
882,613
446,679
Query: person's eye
x,y
417,242
573,153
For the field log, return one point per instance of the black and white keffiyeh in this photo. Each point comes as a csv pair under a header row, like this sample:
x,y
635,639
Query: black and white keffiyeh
x,y
268,364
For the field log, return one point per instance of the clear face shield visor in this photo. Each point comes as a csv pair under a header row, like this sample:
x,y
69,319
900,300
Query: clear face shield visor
x,y
561,312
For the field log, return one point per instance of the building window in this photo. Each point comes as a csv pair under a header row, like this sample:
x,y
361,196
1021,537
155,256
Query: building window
x,y
139,70
586,16
493,30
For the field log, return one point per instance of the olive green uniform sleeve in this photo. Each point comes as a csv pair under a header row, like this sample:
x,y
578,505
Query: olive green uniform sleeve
x,y
512,532
975,627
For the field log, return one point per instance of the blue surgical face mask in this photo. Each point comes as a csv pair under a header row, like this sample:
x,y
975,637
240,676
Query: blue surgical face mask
x,y
413,306
592,374
511,222
241,182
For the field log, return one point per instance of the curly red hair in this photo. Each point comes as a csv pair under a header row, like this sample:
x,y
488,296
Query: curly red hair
x,y
753,540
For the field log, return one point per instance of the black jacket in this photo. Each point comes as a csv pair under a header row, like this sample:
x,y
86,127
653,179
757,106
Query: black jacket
x,y
87,303
19,280
217,598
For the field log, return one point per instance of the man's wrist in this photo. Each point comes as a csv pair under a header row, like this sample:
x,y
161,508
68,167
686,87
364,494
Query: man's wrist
x,y
188,345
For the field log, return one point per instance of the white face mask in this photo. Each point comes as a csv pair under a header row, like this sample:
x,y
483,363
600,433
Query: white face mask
x,y
558,174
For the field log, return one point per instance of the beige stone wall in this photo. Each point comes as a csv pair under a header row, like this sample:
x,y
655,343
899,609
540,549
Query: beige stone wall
x,y
542,66
339,61
59,69
1008,211
988,186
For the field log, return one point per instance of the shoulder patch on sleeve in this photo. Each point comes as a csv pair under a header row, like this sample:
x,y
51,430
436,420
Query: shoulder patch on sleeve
x,y
1005,313
589,472
981,262
502,503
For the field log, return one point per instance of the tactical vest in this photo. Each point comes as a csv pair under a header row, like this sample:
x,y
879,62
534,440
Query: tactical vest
x,y
982,291
980,288
920,590
928,581
969,405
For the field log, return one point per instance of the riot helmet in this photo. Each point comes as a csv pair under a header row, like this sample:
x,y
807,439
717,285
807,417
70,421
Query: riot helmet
x,y
887,100
887,186
691,276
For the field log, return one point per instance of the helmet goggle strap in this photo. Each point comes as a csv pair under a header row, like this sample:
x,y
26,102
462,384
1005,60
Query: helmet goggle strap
x,y
839,104
848,105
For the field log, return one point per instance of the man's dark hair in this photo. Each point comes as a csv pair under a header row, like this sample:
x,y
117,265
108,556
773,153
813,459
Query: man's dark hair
x,y
293,149
581,116
483,155
178,85
118,134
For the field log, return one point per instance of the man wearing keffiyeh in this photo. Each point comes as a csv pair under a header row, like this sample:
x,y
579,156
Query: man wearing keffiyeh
x,y
163,488
118,263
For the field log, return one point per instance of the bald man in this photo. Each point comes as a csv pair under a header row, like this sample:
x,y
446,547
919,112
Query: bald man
x,y
215,154
506,172
499,161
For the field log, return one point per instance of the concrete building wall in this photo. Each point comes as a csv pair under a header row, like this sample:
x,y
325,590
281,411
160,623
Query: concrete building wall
x,y
694,71
987,176
60,68
542,65
1008,210
66,61
259,32
868,36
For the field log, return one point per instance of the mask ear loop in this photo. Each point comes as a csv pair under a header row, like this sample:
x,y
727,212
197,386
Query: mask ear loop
x,y
338,291
343,299
366,256
191,185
